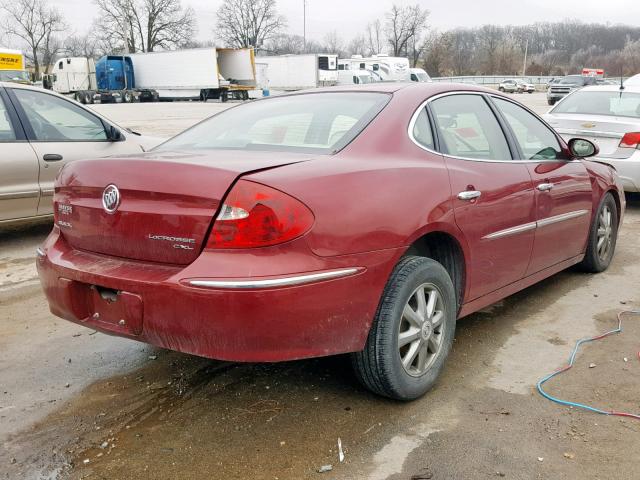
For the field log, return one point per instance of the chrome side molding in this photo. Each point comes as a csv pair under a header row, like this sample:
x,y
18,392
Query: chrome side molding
x,y
275,282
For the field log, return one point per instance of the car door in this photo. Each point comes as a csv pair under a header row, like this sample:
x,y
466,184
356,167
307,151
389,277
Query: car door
x,y
60,131
562,188
19,190
493,193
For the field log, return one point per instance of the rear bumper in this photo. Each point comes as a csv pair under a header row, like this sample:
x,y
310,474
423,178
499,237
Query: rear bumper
x,y
628,170
173,307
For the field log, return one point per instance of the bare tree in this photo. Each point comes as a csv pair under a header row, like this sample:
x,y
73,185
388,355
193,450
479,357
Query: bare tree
x,y
404,24
248,23
36,25
334,44
375,37
82,46
357,46
144,25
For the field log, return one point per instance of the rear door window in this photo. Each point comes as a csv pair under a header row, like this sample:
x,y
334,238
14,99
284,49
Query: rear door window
x,y
468,128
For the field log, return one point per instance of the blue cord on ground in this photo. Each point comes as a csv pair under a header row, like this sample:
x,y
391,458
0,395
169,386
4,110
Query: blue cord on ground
x,y
572,359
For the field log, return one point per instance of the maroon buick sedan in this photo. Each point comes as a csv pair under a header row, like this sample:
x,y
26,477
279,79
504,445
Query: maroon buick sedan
x,y
361,220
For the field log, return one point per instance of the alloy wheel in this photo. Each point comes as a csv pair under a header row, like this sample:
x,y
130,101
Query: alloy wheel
x,y
605,233
421,331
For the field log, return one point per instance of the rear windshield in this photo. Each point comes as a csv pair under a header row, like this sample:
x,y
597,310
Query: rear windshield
x,y
313,123
578,80
619,104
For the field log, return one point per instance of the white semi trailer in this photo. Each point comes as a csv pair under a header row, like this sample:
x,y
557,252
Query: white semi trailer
x,y
199,73
300,72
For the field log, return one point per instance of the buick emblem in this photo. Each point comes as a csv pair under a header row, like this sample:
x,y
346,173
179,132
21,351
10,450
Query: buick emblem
x,y
111,198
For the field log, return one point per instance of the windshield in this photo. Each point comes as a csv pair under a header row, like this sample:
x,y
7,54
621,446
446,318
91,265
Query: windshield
x,y
14,76
313,123
573,80
423,77
365,79
618,104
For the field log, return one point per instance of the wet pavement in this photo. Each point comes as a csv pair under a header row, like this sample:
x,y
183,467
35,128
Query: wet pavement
x,y
79,404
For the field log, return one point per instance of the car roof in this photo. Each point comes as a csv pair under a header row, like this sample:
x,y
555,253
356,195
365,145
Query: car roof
x,y
422,89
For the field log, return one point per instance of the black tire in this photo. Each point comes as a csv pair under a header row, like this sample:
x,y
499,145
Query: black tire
x,y
501,89
88,98
379,366
596,260
127,96
79,97
551,102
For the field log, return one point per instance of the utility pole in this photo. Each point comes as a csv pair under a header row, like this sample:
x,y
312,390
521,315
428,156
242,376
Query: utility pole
x,y
304,24
526,51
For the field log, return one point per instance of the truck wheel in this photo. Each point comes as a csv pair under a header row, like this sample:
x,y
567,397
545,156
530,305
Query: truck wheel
x,y
224,96
127,96
79,97
412,331
204,95
88,98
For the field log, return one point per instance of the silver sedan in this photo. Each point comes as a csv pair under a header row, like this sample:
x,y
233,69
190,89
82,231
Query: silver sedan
x,y
609,116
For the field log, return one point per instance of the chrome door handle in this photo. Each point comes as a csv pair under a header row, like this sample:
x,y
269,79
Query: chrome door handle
x,y
545,187
469,195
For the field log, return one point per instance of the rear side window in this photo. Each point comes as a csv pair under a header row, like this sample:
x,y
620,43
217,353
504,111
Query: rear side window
x,y
58,120
7,133
314,123
468,128
535,139
422,130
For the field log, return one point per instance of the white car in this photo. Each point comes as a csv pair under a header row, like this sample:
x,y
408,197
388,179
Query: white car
x,y
40,132
525,87
610,117
508,86
419,75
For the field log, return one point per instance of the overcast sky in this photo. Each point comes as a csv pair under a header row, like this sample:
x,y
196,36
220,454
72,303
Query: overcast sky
x,y
350,17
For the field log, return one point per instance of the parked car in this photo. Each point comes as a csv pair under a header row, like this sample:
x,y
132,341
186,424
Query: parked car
x,y
508,86
566,85
610,118
632,81
354,77
41,132
525,86
317,224
419,75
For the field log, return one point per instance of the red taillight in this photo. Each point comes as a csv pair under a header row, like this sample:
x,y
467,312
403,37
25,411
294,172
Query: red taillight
x,y
630,140
254,215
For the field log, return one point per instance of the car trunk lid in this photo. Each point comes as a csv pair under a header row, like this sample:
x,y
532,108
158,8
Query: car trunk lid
x,y
167,201
605,131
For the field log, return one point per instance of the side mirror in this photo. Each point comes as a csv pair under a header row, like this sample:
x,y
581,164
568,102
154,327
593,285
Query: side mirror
x,y
581,148
113,134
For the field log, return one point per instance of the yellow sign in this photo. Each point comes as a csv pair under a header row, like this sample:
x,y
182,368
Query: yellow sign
x,y
11,61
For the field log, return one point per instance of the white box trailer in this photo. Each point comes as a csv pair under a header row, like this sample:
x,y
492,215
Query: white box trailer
x,y
199,73
300,72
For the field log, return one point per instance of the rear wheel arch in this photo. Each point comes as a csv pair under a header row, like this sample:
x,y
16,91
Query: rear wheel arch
x,y
445,249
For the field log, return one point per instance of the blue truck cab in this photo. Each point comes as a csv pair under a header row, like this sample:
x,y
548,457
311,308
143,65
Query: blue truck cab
x,y
115,72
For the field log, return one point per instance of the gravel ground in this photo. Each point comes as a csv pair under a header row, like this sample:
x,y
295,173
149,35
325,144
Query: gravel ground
x,y
79,404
